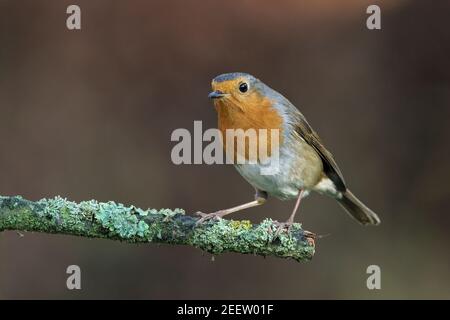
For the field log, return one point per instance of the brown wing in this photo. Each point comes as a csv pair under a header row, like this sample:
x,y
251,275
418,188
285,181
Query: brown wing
x,y
330,167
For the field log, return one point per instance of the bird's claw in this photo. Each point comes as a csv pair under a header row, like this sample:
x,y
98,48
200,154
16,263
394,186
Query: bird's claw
x,y
208,216
282,226
286,226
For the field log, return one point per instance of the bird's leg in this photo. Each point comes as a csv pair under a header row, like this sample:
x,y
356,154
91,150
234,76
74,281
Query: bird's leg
x,y
260,198
297,205
288,224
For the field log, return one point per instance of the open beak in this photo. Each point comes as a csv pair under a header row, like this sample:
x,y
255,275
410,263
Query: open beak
x,y
217,94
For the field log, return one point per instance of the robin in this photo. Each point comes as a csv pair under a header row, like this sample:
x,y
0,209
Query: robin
x,y
243,102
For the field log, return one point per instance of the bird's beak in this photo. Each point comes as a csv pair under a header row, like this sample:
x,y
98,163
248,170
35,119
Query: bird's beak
x,y
217,94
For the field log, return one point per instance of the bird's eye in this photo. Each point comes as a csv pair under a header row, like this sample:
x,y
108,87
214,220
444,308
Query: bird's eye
x,y
243,87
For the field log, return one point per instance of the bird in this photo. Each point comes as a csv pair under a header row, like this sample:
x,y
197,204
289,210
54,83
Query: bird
x,y
242,101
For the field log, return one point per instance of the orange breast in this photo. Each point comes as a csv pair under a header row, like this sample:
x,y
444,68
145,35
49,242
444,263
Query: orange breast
x,y
252,113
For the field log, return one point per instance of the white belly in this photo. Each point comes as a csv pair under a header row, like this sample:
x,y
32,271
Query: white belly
x,y
299,168
275,185
281,184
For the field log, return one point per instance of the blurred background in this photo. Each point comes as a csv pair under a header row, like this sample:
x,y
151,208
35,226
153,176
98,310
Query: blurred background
x,y
88,115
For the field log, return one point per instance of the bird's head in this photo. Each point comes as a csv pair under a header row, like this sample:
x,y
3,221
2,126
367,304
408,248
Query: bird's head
x,y
238,90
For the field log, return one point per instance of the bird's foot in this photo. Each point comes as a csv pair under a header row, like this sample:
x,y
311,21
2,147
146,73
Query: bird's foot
x,y
282,226
209,216
286,227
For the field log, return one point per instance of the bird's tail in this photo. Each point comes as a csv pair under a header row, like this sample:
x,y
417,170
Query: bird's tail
x,y
358,210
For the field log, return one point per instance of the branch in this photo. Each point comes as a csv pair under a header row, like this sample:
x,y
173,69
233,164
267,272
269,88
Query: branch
x,y
118,222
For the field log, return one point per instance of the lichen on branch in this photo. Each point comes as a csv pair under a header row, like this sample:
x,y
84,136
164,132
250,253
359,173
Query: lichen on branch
x,y
115,221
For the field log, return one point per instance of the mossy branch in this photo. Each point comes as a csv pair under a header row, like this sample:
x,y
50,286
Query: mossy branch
x,y
118,222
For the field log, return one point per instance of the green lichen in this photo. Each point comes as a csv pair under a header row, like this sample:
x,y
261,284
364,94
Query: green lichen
x,y
246,224
241,236
117,221
121,220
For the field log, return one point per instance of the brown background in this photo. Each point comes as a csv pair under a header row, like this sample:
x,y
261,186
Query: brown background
x,y
88,114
